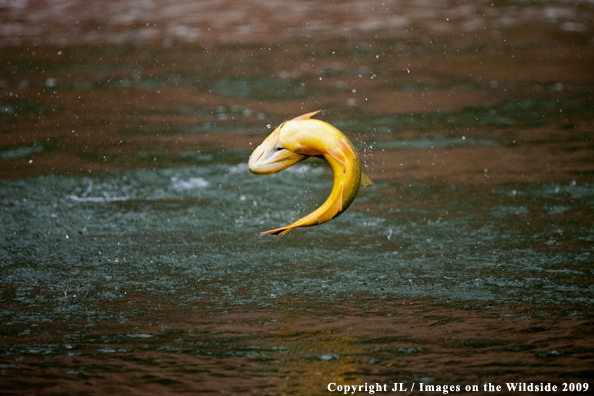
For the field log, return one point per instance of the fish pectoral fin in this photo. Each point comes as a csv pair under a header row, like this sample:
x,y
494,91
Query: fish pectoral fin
x,y
342,153
365,180
338,155
305,116
346,149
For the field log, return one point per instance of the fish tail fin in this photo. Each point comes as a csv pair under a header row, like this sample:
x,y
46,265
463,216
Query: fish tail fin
x,y
365,180
326,212
278,231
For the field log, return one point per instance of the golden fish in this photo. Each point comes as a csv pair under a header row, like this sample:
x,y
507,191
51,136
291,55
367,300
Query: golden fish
x,y
303,137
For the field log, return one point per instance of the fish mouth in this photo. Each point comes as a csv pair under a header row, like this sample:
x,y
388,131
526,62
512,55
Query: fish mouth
x,y
271,157
266,162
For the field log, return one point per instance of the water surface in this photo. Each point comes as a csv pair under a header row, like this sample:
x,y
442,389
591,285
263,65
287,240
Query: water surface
x,y
131,260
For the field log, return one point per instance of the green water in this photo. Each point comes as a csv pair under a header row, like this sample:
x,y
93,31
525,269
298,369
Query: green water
x,y
135,272
192,233
130,254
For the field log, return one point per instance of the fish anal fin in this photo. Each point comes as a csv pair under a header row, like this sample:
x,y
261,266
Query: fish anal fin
x,y
365,180
338,207
305,116
333,208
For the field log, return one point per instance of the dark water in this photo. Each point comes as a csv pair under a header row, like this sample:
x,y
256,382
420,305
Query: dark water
x,y
130,255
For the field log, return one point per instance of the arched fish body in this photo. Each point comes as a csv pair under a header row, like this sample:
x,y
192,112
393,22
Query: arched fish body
x,y
303,137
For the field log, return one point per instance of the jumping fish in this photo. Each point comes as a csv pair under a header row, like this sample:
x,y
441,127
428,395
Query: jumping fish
x,y
300,138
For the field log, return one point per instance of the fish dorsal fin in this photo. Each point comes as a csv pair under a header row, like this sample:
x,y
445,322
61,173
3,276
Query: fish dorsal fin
x,y
306,116
365,180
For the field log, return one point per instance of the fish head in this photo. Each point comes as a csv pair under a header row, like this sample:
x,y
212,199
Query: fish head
x,y
272,156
